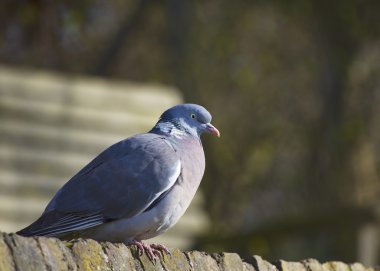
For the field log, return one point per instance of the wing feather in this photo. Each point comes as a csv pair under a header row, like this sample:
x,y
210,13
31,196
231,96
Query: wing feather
x,y
121,182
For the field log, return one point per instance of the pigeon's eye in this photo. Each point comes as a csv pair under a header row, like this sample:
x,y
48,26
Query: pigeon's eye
x,y
192,116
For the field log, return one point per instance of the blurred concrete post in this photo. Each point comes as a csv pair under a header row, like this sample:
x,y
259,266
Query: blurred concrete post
x,y
368,243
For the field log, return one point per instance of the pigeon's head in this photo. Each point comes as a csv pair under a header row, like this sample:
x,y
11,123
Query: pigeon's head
x,y
186,119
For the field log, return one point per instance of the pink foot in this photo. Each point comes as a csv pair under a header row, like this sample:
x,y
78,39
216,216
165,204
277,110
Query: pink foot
x,y
153,251
161,248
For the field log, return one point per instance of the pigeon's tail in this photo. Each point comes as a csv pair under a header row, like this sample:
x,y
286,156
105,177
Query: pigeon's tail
x,y
25,232
32,229
58,224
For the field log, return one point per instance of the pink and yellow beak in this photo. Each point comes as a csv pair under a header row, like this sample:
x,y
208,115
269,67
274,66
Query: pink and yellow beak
x,y
211,129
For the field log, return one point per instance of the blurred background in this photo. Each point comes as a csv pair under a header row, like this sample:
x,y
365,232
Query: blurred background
x,y
294,88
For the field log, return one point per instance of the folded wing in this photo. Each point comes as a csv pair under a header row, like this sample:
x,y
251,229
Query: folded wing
x,y
123,181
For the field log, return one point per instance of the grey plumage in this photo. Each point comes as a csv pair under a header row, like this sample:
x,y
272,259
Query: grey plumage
x,y
135,189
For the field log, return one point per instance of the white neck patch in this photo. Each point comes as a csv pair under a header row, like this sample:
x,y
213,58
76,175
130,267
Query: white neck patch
x,y
170,128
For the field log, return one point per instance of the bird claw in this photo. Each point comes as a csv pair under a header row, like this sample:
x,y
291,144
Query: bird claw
x,y
161,249
153,251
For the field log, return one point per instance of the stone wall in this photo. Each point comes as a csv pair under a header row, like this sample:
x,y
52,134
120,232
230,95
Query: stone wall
x,y
40,253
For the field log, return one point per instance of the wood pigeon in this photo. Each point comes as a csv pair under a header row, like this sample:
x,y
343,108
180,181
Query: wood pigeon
x,y
137,188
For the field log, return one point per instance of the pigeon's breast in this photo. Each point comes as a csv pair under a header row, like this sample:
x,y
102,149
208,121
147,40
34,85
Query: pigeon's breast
x,y
171,208
174,205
